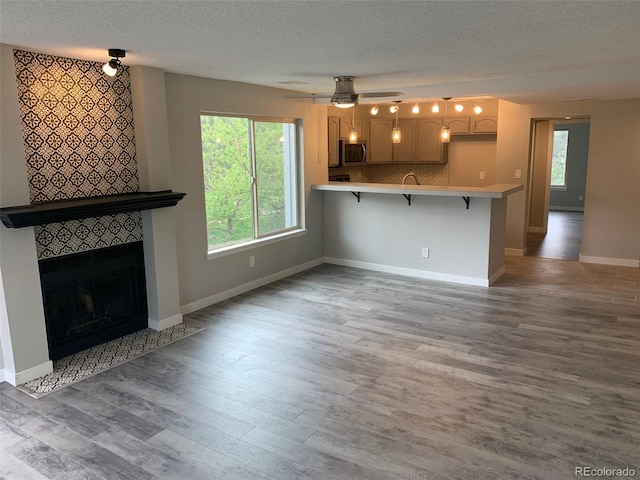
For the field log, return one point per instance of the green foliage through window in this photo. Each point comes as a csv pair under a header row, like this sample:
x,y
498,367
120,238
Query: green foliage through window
x,y
559,158
250,177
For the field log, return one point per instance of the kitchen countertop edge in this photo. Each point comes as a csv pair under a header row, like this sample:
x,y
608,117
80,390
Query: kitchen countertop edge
x,y
492,191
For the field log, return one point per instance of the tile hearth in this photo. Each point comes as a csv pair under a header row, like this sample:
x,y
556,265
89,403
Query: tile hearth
x,y
94,360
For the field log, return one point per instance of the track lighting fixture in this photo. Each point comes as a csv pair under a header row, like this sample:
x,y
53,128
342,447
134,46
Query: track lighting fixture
x,y
394,108
435,108
415,109
477,109
111,67
374,110
459,107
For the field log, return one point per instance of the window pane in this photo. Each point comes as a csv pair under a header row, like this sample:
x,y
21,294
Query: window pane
x,y
227,179
275,146
559,158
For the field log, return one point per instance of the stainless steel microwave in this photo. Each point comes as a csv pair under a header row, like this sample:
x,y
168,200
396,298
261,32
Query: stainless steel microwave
x,y
352,153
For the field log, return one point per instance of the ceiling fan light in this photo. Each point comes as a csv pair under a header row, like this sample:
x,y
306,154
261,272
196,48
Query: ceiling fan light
x,y
344,105
477,109
459,107
415,109
445,134
374,110
435,108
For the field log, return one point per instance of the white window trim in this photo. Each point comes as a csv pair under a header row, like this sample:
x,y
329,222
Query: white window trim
x,y
281,235
254,243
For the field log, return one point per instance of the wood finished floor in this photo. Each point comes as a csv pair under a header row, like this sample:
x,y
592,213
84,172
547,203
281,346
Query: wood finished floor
x,y
339,373
563,239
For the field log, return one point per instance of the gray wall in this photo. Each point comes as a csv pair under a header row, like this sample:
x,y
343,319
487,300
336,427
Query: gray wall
x,y
577,156
611,229
202,278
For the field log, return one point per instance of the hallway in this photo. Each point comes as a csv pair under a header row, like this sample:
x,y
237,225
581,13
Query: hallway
x,y
563,238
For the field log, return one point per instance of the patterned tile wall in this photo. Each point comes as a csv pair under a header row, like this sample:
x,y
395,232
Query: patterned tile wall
x,y
77,126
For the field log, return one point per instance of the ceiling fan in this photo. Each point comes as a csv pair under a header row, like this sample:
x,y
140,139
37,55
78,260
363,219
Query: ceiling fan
x,y
345,95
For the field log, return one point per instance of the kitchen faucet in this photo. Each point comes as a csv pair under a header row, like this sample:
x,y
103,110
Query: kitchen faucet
x,y
410,174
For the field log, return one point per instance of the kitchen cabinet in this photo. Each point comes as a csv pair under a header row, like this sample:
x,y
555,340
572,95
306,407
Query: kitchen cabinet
x,y
487,124
345,127
459,125
380,150
333,135
406,150
473,125
420,142
430,148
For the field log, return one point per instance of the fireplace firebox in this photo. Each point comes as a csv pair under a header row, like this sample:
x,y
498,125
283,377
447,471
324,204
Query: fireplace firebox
x,y
93,297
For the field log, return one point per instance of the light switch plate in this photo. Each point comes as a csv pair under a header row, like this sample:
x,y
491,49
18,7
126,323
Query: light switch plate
x,y
482,176
518,173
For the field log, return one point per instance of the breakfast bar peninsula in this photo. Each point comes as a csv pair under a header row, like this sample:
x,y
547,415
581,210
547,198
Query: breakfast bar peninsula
x,y
454,234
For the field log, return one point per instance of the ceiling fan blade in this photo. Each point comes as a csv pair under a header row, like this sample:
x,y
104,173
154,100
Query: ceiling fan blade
x,y
311,95
380,94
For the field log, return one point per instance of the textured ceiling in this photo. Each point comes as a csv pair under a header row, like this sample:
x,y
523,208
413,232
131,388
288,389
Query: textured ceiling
x,y
525,51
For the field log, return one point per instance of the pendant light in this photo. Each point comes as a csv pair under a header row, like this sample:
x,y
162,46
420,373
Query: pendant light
x,y
353,133
445,133
396,135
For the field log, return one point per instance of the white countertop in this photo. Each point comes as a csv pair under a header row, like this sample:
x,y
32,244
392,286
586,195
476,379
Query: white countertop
x,y
492,191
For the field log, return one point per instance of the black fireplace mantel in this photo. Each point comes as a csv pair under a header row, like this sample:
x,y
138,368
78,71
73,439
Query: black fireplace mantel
x,y
74,209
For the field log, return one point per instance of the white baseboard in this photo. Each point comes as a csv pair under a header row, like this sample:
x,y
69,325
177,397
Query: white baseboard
x,y
619,262
536,230
219,297
165,322
559,208
515,252
29,374
496,275
410,272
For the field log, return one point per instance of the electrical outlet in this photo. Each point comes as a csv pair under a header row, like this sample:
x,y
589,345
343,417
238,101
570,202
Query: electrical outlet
x,y
580,197
425,252
482,177
518,173
252,261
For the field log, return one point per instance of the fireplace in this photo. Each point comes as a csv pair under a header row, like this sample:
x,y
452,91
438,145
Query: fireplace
x,y
93,297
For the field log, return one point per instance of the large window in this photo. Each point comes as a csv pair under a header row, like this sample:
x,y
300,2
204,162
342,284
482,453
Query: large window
x,y
250,177
559,159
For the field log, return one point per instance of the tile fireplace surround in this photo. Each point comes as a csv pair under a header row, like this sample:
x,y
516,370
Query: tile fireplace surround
x,y
24,354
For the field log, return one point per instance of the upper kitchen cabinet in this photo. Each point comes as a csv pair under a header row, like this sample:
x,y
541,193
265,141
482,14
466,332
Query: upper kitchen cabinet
x,y
459,125
430,148
420,142
407,149
484,124
473,125
334,135
345,128
380,146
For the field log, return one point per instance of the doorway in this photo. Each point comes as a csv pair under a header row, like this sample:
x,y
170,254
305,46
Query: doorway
x,y
559,156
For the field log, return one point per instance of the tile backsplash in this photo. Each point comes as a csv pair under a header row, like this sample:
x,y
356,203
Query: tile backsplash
x,y
436,174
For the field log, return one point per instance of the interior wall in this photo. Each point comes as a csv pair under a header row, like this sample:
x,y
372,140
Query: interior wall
x,y
577,161
611,226
200,277
470,155
538,185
